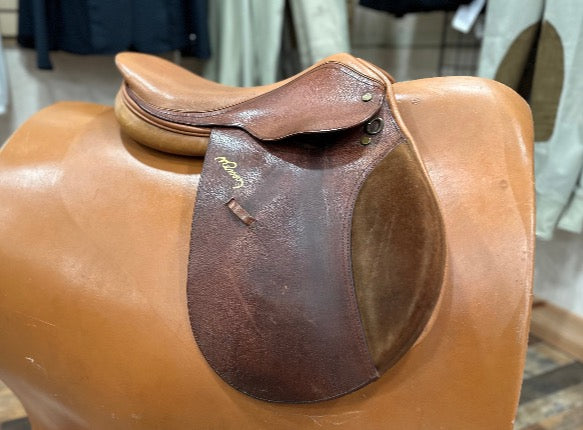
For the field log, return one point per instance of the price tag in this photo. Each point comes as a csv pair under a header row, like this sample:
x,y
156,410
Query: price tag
x,y
466,15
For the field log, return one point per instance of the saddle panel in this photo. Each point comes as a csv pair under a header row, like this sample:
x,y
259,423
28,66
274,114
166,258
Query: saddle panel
x,y
93,309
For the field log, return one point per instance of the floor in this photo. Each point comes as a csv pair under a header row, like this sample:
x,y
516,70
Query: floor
x,y
10,407
552,390
551,399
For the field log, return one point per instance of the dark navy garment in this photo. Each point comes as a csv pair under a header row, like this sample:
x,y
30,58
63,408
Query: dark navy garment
x,y
402,7
111,26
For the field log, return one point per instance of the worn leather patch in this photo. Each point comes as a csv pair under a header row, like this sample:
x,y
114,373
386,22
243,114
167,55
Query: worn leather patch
x,y
398,255
270,286
534,66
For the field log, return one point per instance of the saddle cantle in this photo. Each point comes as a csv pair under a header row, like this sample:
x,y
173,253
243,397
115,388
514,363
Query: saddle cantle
x,y
317,245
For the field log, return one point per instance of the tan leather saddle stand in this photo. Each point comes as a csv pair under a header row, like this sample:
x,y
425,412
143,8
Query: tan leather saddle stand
x,y
95,233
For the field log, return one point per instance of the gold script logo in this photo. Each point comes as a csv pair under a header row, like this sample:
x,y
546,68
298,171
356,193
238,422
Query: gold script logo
x,y
229,167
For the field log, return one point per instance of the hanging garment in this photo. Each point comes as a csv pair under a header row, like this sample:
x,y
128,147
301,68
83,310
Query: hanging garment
x,y
110,26
402,7
196,21
536,47
321,29
245,37
3,82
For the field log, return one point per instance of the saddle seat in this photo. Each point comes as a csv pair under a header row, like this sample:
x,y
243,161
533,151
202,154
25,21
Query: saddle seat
x,y
155,88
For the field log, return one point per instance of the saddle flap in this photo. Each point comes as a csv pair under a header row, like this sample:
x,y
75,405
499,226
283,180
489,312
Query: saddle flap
x,y
333,95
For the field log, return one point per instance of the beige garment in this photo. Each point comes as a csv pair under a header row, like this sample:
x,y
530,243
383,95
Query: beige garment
x,y
536,47
3,82
321,28
245,37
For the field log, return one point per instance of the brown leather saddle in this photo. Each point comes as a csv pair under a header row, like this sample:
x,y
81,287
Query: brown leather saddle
x,y
317,245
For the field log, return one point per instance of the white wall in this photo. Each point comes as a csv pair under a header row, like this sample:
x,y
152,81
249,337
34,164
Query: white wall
x,y
91,78
8,17
559,271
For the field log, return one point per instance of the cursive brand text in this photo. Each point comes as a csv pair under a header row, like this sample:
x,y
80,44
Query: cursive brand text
x,y
229,167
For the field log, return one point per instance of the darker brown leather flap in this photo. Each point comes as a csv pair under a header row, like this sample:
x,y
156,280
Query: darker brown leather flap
x,y
270,286
329,97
